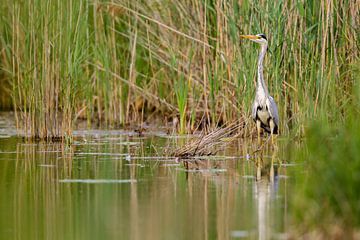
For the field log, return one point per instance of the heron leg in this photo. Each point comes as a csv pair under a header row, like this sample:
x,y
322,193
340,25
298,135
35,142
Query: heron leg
x,y
258,127
272,126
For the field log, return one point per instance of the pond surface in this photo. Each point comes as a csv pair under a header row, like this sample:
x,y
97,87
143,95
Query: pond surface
x,y
117,185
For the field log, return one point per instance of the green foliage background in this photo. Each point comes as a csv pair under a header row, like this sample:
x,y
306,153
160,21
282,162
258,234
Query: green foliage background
x,y
114,62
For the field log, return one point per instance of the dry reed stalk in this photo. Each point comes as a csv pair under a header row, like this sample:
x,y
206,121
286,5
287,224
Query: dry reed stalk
x,y
141,91
209,144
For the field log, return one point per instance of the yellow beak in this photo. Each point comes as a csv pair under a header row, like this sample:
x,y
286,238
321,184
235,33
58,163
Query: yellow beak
x,y
250,37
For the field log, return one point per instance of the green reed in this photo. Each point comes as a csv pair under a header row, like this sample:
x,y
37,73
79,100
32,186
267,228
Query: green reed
x,y
110,62
326,190
181,90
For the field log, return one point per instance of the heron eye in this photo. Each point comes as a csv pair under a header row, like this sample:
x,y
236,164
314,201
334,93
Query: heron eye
x,y
263,36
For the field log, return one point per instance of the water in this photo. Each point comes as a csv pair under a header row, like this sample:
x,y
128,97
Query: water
x,y
116,185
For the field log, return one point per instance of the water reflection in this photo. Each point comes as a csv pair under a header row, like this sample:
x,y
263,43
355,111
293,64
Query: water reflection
x,y
265,191
125,187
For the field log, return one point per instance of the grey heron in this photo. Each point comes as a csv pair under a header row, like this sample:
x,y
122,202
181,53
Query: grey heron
x,y
264,110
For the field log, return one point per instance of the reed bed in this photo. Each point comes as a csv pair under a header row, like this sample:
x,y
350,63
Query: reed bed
x,y
120,62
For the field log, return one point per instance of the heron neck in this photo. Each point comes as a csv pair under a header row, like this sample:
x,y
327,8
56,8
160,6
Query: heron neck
x,y
260,83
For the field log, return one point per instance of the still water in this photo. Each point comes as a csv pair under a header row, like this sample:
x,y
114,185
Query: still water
x,y
117,185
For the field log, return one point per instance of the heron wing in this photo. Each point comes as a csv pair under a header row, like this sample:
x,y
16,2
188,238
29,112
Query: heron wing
x,y
273,110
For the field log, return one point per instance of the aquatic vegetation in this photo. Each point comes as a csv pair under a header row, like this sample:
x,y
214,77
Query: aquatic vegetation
x,y
327,191
111,62
210,143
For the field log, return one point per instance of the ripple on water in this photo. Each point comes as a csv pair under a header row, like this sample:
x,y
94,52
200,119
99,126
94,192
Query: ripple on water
x,y
93,181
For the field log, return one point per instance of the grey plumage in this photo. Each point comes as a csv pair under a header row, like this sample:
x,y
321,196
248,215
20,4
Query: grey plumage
x,y
269,109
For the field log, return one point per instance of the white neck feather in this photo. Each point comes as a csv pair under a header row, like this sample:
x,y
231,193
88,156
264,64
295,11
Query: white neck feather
x,y
261,86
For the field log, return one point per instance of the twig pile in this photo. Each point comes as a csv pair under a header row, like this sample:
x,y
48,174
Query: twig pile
x,y
209,144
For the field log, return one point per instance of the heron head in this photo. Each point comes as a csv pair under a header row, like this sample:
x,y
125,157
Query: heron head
x,y
258,38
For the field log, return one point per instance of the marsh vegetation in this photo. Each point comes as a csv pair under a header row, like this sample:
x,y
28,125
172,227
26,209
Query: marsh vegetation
x,y
118,62
130,64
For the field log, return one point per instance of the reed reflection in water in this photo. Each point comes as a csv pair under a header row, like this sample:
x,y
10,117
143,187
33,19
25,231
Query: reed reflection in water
x,y
130,190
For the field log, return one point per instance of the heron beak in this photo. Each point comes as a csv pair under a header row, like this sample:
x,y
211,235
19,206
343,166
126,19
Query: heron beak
x,y
252,37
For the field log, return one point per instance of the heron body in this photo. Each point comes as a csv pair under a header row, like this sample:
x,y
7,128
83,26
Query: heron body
x,y
264,110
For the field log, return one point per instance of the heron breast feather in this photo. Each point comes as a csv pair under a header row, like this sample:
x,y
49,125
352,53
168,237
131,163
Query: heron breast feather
x,y
263,116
